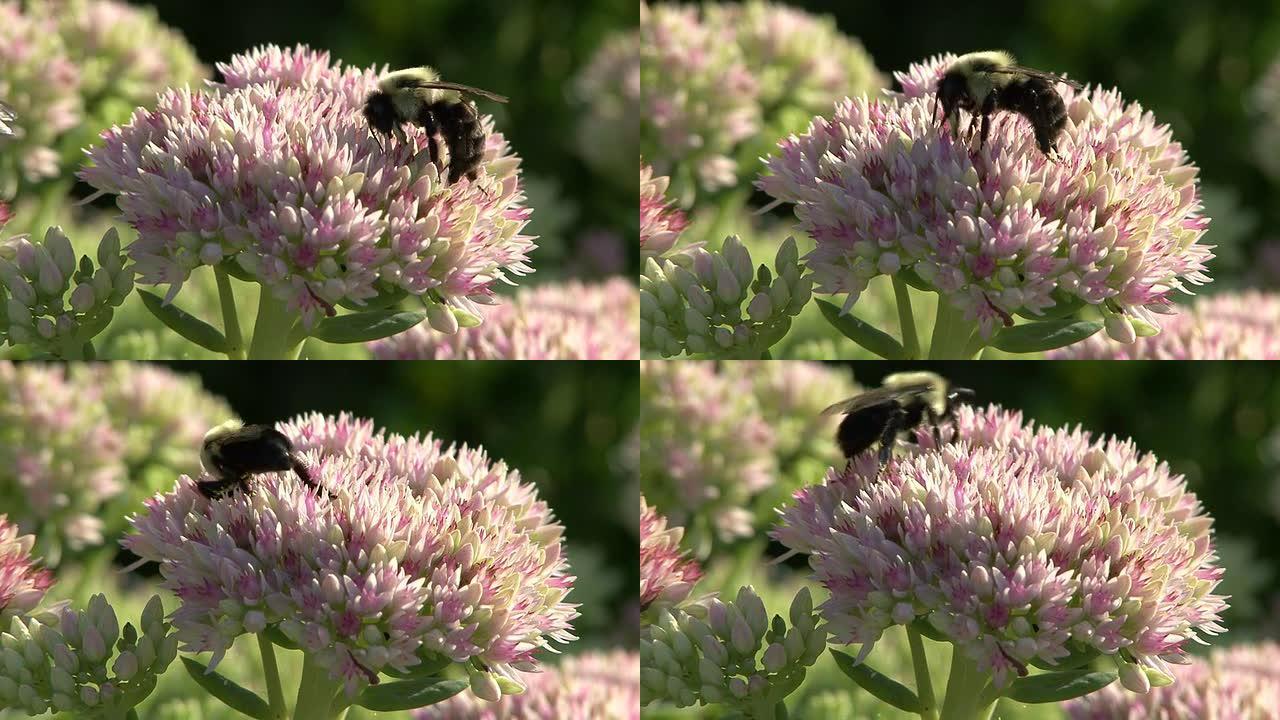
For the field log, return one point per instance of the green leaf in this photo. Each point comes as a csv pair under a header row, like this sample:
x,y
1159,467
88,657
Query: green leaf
x,y
279,639
409,694
184,323
882,686
95,323
910,277
366,326
231,694
1045,335
1063,306
233,268
385,298
926,628
877,341
1058,686
427,668
1078,656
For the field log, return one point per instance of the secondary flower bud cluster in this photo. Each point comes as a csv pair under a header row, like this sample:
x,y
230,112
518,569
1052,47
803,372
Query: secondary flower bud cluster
x,y
54,303
84,663
729,653
692,302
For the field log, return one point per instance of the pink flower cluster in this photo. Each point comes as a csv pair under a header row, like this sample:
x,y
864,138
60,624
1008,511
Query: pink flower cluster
x,y
22,584
667,575
569,321
277,171
1230,326
883,189
1018,544
1238,683
412,551
660,222
590,686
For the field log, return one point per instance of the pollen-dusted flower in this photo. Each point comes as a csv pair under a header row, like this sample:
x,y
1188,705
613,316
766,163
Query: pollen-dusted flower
x,y
22,583
609,130
40,82
883,189
276,170
590,686
1018,544
1237,683
705,448
660,222
1229,326
412,552
667,575
567,321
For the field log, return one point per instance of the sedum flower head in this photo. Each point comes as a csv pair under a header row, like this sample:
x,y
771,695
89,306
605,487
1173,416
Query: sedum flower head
x,y
609,86
413,552
590,686
729,653
84,663
40,82
1238,683
1019,545
276,171
883,189
693,302
660,222
54,303
22,583
1230,326
567,321
667,575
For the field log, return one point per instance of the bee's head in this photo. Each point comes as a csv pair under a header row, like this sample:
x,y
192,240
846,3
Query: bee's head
x,y
952,95
380,112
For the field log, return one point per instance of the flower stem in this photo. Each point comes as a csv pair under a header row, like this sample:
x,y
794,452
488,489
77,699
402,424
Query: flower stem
x,y
906,319
273,329
315,692
924,684
964,690
275,693
230,318
951,333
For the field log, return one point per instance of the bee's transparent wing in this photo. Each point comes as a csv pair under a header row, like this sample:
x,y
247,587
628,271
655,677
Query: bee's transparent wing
x,y
1047,76
440,84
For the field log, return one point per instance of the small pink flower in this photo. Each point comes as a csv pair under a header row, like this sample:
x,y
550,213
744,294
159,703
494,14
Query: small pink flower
x,y
667,575
22,584
660,222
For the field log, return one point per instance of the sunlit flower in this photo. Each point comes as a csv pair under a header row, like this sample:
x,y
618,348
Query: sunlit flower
x,y
1238,683
1232,326
22,582
276,170
569,321
412,552
667,575
883,189
1018,544
590,686
660,222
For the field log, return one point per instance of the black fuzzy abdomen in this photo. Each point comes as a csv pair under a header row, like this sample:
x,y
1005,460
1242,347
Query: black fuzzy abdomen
x,y
861,428
1039,102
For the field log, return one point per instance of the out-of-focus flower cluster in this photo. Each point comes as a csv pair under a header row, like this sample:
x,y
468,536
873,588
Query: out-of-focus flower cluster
x,y
75,437
792,395
609,129
1238,683
1231,326
1018,544
590,686
883,189
729,653
692,302
411,552
53,303
667,574
22,583
717,76
1266,101
566,321
276,172
39,80
660,221
67,666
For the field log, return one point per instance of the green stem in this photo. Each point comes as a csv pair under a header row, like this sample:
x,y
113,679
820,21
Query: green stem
x,y
906,318
53,195
315,693
272,331
964,690
275,693
94,569
230,317
729,210
924,684
951,333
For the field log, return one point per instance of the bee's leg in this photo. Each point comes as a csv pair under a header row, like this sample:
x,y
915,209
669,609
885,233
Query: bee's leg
x,y
986,130
890,434
934,420
304,474
218,488
427,119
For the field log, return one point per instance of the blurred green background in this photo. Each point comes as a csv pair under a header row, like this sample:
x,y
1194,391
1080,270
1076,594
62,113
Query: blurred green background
x,y
530,51
1193,64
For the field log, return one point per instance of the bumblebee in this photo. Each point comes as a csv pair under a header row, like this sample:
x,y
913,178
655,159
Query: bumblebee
x,y
232,452
903,402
